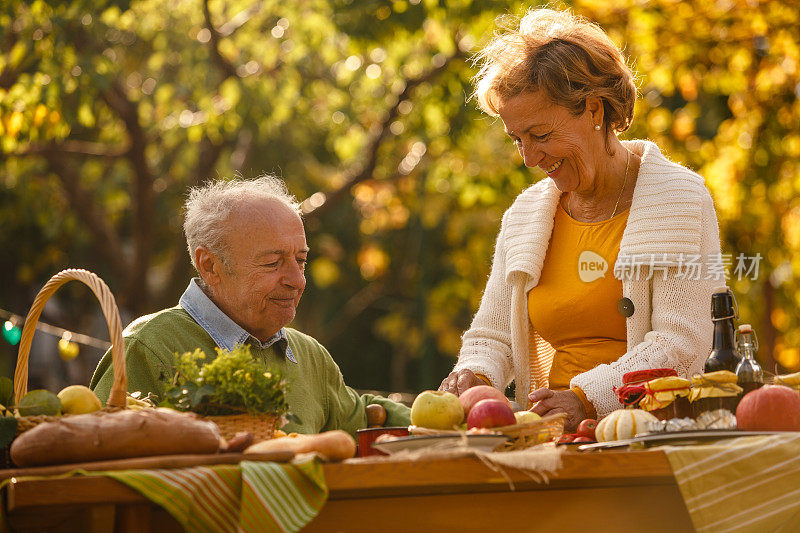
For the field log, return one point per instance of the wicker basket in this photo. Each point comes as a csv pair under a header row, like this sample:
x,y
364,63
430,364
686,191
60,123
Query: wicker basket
x,y
261,426
546,429
116,399
523,436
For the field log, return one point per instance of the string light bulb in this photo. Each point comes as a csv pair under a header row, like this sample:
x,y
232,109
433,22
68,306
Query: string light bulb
x,y
67,349
11,333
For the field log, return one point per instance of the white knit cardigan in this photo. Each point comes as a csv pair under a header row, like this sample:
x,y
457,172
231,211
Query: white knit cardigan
x,y
671,218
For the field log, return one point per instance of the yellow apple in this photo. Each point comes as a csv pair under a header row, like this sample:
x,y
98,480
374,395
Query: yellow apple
x,y
78,400
437,410
523,417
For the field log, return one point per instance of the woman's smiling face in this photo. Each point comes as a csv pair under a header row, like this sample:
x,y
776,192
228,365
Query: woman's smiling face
x,y
551,137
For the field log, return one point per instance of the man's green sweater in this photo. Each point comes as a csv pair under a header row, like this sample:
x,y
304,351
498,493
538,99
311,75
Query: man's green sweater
x,y
317,393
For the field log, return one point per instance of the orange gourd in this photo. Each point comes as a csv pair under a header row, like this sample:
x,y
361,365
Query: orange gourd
x,y
769,408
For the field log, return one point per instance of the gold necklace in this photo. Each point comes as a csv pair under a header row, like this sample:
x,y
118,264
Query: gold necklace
x,y
619,196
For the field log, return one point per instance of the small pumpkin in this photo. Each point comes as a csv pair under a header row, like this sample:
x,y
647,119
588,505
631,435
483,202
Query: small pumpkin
x,y
769,408
623,424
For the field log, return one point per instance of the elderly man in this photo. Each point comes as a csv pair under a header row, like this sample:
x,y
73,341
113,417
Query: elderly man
x,y
248,244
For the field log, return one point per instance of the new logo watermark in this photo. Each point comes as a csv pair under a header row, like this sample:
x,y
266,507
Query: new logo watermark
x,y
692,267
591,266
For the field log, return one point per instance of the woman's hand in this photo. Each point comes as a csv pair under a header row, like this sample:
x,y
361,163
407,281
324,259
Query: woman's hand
x,y
548,402
458,382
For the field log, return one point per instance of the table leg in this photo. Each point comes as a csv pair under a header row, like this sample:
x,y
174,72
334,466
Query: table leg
x,y
100,518
133,518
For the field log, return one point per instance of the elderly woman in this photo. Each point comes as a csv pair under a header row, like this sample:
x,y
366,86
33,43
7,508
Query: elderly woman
x,y
591,275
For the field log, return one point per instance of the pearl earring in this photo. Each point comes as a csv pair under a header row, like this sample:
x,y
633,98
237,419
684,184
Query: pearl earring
x,y
597,127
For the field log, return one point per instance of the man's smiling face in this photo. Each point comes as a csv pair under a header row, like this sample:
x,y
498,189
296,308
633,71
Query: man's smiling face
x,y
263,276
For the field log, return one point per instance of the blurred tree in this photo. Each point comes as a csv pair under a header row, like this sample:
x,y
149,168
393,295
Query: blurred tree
x,y
721,87
110,110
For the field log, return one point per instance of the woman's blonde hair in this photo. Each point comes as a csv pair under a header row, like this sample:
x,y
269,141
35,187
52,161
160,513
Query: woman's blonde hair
x,y
568,57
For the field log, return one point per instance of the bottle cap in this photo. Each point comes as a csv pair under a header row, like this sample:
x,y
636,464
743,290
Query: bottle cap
x,y
745,328
722,305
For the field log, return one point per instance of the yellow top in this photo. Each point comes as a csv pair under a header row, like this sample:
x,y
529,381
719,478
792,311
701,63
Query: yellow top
x,y
574,306
661,392
719,384
789,380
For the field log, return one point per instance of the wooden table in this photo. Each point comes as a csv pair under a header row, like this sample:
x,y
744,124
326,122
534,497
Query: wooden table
x,y
608,491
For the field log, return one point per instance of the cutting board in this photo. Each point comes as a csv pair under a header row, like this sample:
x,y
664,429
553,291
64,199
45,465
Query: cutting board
x,y
161,461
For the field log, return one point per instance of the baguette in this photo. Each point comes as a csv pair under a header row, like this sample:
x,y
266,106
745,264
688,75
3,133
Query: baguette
x,y
335,445
237,443
118,435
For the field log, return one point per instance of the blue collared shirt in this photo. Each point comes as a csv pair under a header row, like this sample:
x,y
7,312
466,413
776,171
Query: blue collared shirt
x,y
225,332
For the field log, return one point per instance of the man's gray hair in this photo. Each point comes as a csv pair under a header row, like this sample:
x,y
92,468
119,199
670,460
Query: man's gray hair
x,y
208,206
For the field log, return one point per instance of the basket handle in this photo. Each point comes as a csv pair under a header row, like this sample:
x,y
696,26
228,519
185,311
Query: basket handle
x,y
110,311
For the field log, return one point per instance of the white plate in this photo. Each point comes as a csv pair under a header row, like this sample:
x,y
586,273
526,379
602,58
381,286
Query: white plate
x,y
485,443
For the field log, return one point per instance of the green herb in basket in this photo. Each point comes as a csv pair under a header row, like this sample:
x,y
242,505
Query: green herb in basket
x,y
233,383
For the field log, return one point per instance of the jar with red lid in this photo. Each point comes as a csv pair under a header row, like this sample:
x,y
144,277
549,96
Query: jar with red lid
x,y
632,389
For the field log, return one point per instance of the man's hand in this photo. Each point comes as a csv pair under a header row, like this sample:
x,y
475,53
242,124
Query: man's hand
x,y
458,382
548,402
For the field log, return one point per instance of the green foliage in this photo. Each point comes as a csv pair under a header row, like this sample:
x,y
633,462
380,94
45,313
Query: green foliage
x,y
39,402
232,383
6,391
8,429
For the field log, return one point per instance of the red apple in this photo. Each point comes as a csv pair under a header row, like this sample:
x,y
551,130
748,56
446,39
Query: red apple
x,y
583,440
769,408
490,413
586,428
566,438
481,392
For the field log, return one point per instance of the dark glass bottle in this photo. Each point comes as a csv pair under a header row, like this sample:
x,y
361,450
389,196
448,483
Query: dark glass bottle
x,y
724,355
749,375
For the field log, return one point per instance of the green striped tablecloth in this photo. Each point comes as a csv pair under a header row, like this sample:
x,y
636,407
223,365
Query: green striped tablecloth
x,y
748,484
248,497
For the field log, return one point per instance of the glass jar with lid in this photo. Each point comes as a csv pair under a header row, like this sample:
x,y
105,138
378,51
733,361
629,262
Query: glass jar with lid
x,y
714,390
667,397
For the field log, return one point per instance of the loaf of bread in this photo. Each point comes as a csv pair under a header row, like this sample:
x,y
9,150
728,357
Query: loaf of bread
x,y
335,445
118,435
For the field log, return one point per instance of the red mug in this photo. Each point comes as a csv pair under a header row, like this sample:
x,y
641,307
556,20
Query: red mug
x,y
367,436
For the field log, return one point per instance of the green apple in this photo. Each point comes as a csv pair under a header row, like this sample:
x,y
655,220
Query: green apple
x,y
437,410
